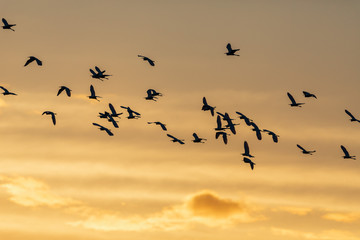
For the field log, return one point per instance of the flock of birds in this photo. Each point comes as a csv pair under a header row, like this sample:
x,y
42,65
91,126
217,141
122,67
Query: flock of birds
x,y
223,120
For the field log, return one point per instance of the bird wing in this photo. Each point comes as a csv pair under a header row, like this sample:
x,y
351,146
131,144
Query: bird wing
x,y
163,127
60,91
5,90
98,125
349,113
306,94
212,111
258,134
68,92
5,22
135,112
246,148
232,127
228,46
242,115
92,72
252,165
108,132
28,61
291,98
113,121
98,70
195,136
204,101
275,138
53,118
345,151
300,147
112,108
151,62
225,138
38,62
170,136
141,56
92,90
218,120
181,142
221,114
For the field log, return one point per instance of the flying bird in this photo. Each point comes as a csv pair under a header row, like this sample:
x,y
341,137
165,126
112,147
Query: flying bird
x,y
99,74
219,124
197,139
207,107
274,136
224,136
52,116
67,90
353,119
305,151
231,52
293,102
93,95
174,139
31,59
104,115
132,113
7,25
163,126
6,92
102,128
113,111
347,155
247,150
246,119
308,95
247,160
151,62
112,120
257,130
152,94
230,124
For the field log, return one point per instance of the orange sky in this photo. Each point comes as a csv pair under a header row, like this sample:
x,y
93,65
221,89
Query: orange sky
x,y
72,181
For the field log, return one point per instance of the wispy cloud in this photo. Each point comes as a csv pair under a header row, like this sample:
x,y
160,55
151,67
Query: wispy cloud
x,y
342,217
324,235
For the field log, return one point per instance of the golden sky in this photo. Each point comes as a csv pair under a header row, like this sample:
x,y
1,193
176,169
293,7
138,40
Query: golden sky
x,y
71,181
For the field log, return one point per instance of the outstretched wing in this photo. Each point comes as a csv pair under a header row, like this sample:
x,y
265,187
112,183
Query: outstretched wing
x,y
98,70
275,138
218,121
171,136
258,134
246,148
225,138
228,46
300,147
151,62
92,90
204,101
195,136
68,92
98,125
291,98
5,22
109,132
345,151
163,127
349,113
29,61
38,62
92,72
5,90
53,118
60,91
112,108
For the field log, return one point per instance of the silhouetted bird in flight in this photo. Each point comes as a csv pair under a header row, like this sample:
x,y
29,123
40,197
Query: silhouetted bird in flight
x,y
151,62
99,74
207,107
67,90
7,25
163,126
113,111
305,151
219,124
247,160
353,119
230,124
293,102
274,136
31,59
256,130
174,139
224,136
246,119
347,155
52,116
6,92
104,115
92,94
231,52
152,94
197,139
112,120
246,150
131,113
102,128
308,95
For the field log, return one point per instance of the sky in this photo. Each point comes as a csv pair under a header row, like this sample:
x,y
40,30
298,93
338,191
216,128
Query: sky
x,y
72,181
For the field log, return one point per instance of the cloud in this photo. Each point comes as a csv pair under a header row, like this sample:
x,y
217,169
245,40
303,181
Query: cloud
x,y
30,192
342,217
324,235
300,211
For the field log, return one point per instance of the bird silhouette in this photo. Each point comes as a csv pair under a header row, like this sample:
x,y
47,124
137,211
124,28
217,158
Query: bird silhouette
x,y
102,128
104,115
247,160
231,52
163,126
132,113
174,139
67,90
347,155
52,116
151,62
6,92
31,59
353,119
230,124
152,94
219,124
247,150
256,130
224,136
274,136
197,139
308,95
113,111
99,74
305,151
207,107
112,120
246,119
92,94
293,102
7,25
